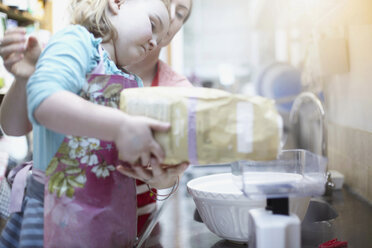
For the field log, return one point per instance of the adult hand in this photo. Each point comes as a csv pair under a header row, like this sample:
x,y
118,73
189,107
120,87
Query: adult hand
x,y
19,58
157,176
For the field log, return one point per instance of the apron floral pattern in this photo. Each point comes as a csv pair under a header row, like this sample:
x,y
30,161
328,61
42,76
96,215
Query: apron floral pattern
x,y
87,202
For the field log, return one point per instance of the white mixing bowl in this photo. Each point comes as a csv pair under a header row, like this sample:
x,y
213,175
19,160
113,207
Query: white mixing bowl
x,y
224,208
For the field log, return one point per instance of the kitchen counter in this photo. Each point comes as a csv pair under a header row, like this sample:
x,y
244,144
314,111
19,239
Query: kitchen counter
x,y
178,228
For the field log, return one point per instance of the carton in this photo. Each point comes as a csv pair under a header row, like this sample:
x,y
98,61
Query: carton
x,y
208,126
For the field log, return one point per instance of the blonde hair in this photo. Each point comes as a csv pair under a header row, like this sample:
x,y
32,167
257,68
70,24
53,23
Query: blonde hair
x,y
91,14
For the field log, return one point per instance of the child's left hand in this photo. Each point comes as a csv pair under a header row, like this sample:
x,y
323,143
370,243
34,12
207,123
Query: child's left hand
x,y
157,176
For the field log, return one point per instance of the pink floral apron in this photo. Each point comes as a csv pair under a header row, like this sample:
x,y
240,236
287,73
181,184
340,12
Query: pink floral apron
x,y
87,202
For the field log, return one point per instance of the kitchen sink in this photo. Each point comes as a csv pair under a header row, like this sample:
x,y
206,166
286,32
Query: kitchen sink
x,y
318,224
319,210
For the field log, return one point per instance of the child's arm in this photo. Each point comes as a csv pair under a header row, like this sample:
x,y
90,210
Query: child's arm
x,y
20,60
67,113
54,103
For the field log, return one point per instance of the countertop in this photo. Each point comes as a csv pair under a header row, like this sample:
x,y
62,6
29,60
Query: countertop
x,y
177,228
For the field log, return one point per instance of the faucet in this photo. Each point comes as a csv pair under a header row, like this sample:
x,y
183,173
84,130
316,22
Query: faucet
x,y
306,110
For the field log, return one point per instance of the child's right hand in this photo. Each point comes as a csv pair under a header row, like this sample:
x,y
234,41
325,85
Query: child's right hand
x,y
136,143
19,59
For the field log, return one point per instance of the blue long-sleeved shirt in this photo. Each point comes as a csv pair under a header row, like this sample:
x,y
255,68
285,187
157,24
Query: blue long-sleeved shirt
x,y
70,55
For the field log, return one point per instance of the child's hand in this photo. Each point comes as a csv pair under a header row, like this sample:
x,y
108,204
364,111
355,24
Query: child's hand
x,y
19,59
136,143
157,176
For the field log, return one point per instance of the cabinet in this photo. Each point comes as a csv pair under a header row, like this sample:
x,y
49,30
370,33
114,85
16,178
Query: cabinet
x,y
23,18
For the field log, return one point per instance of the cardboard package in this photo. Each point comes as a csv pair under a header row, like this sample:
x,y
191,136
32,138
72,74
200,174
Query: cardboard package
x,y
208,126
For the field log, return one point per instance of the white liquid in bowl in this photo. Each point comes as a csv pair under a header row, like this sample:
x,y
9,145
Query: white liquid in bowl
x,y
227,184
270,178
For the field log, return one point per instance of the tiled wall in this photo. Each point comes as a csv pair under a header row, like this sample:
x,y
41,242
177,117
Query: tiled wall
x,y
348,98
350,152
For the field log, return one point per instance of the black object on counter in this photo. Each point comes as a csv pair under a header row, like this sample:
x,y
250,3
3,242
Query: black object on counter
x,y
197,216
278,205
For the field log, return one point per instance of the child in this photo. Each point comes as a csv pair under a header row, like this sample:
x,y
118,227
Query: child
x,y
54,109
149,69
20,59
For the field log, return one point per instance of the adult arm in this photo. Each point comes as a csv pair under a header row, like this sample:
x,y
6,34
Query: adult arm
x,y
13,113
20,60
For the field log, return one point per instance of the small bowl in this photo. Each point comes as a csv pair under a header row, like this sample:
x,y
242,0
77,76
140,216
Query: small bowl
x,y
224,208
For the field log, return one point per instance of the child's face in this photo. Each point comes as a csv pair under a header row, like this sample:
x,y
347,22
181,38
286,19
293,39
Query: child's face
x,y
141,25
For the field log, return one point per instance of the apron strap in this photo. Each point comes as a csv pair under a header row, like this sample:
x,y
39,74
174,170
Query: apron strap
x,y
100,68
18,178
18,188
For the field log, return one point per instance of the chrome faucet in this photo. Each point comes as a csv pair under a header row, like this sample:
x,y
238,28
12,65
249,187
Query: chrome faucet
x,y
307,109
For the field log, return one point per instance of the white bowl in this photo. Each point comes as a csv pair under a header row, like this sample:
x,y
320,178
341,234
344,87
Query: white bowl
x,y
225,210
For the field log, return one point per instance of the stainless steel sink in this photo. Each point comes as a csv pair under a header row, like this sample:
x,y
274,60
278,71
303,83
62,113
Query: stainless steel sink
x,y
319,210
318,224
